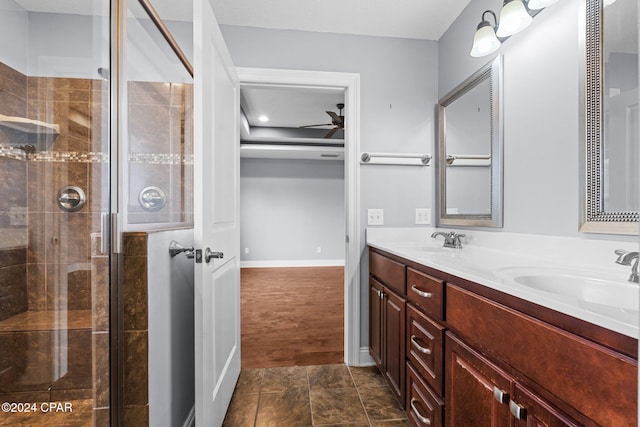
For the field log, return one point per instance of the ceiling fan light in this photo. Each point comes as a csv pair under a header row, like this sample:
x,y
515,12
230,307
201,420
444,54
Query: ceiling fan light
x,y
513,18
485,41
540,4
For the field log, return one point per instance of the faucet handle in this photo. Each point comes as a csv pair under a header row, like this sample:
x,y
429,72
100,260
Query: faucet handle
x,y
621,252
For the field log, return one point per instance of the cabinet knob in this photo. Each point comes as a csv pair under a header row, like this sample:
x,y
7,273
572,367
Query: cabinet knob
x,y
520,412
420,348
423,294
421,417
500,395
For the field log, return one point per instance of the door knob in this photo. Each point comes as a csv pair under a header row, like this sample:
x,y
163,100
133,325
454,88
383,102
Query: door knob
x,y
209,254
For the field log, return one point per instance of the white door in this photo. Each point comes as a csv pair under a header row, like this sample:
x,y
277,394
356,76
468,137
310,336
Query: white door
x,y
216,219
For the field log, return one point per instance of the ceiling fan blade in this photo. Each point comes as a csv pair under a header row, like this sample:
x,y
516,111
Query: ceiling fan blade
x,y
331,132
310,126
334,117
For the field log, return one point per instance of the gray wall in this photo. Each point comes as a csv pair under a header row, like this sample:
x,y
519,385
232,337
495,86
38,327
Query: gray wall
x,y
541,113
13,35
289,208
398,81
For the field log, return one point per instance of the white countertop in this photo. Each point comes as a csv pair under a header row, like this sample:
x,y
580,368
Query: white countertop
x,y
502,261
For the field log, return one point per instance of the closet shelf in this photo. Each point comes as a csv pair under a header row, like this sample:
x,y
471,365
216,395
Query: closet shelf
x,y
29,126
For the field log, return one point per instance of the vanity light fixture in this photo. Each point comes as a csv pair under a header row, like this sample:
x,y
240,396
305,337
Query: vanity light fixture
x,y
485,40
515,16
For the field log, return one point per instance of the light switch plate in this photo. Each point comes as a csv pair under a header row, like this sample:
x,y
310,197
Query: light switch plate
x,y
423,216
375,216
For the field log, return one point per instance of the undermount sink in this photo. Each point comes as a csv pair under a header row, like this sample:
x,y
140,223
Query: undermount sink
x,y
417,247
593,291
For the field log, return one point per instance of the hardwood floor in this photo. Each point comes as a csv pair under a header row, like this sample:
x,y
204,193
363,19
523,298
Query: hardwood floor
x,y
292,316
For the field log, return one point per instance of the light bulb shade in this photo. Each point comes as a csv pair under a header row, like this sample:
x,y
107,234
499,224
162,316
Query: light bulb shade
x,y
513,18
540,4
485,42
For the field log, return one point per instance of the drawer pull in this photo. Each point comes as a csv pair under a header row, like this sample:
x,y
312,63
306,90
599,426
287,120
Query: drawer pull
x,y
500,396
423,294
422,419
520,412
420,348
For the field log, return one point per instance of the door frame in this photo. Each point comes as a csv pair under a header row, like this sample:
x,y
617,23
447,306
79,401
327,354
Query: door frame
x,y
350,83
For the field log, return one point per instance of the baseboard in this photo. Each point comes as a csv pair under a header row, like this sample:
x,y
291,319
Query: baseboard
x,y
191,418
293,263
365,357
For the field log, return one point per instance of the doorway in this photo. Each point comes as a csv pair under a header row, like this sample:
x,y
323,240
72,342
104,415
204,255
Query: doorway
x,y
349,84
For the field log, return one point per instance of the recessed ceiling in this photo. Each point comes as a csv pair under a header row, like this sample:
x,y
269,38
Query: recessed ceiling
x,y
289,106
416,19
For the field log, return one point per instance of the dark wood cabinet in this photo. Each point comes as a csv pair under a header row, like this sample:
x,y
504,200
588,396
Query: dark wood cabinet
x,y
589,380
460,354
477,393
394,333
387,314
424,407
424,347
481,394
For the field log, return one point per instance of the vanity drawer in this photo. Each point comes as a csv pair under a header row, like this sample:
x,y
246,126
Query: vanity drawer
x,y
388,271
426,291
425,340
423,407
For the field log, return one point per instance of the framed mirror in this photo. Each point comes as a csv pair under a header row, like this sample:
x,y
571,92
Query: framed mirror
x,y
610,117
470,151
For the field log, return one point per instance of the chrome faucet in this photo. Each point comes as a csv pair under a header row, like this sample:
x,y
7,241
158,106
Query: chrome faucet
x,y
626,258
451,239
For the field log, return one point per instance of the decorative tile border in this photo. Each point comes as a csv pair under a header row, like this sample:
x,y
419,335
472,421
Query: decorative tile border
x,y
11,152
161,159
17,153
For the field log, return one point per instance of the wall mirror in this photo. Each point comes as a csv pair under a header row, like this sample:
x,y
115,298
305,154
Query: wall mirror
x,y
610,184
470,151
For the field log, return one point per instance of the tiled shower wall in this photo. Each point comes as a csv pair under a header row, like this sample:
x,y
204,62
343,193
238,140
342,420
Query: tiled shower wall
x,y
54,281
45,277
160,150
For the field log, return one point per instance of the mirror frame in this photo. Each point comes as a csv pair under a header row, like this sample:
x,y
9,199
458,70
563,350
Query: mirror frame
x,y
593,217
493,72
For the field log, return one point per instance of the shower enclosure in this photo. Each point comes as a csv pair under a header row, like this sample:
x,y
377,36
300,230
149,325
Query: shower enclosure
x,y
94,137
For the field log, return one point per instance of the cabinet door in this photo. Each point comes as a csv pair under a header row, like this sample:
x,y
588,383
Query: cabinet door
x,y
394,345
376,293
477,392
529,410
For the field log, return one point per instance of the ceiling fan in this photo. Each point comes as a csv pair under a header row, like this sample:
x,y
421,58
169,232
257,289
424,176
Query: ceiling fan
x,y
337,120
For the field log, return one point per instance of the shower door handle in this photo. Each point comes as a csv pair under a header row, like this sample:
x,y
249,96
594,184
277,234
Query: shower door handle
x,y
105,224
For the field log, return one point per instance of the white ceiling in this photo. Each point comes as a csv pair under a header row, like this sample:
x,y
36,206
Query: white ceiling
x,y
418,19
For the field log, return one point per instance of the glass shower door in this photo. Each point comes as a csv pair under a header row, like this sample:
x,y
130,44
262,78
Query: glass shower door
x,y
54,164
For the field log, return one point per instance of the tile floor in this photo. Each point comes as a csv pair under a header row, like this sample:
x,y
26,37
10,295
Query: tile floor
x,y
323,395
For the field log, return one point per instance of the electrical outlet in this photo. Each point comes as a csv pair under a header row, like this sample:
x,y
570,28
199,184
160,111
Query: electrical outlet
x,y
375,216
246,250
319,249
423,216
17,215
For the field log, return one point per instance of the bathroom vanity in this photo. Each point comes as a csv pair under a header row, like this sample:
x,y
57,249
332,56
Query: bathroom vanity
x,y
471,338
